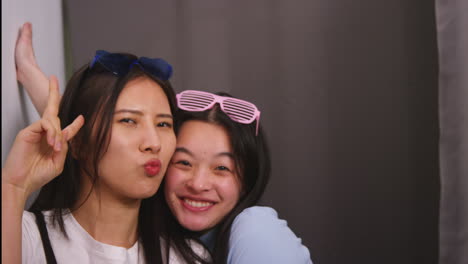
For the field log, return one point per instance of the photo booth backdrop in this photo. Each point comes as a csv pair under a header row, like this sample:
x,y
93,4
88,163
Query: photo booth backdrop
x,y
348,94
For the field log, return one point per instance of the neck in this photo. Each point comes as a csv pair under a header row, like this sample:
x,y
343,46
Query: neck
x,y
107,218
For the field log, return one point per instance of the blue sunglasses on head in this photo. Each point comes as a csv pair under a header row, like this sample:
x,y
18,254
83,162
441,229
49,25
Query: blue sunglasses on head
x,y
120,64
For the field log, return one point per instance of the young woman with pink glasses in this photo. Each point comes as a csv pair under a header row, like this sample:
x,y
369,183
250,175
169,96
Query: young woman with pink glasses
x,y
218,173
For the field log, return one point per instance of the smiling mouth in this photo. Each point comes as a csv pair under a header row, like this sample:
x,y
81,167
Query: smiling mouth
x,y
197,204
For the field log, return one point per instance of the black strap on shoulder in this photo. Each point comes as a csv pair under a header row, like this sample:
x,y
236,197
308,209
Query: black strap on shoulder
x,y
49,253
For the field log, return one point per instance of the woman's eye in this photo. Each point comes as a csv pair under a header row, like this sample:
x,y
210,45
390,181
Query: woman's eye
x,y
127,120
164,124
223,168
183,162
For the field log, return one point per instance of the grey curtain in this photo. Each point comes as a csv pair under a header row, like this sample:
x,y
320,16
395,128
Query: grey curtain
x,y
452,29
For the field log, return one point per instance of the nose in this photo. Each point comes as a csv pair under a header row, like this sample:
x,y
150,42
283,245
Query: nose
x,y
150,140
200,181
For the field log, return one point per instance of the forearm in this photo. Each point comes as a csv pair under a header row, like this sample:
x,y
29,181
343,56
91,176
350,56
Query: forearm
x,y
36,84
13,201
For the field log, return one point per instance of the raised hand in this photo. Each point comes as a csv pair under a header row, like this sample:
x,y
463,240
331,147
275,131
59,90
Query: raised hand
x,y
24,53
39,151
28,72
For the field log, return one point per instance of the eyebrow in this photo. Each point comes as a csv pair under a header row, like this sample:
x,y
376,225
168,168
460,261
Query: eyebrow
x,y
183,150
137,112
188,152
228,154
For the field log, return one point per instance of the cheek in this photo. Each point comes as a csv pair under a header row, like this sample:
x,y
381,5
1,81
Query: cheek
x,y
120,143
168,145
174,180
119,151
230,190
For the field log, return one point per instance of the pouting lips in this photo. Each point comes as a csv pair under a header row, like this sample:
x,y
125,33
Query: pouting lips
x,y
152,170
152,167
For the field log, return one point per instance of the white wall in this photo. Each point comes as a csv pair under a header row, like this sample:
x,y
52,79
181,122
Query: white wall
x,y
46,18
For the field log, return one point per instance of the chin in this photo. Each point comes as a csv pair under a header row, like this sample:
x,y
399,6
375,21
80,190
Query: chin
x,y
150,190
195,226
143,194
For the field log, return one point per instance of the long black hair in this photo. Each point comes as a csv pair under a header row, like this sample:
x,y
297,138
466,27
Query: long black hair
x,y
252,159
93,93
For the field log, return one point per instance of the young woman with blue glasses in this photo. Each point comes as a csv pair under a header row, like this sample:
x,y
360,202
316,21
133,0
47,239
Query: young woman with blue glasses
x,y
99,179
217,175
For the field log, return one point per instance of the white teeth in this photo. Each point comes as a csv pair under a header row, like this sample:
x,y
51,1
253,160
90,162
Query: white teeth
x,y
197,204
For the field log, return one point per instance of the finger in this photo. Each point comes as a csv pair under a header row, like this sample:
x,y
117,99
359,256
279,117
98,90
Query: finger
x,y
61,154
55,122
70,131
32,133
37,130
58,140
50,131
24,53
26,32
53,100
35,127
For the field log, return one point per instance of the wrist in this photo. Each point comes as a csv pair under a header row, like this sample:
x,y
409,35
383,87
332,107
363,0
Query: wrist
x,y
14,195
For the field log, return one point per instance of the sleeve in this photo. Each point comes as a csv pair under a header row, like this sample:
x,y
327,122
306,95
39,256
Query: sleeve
x,y
259,236
30,239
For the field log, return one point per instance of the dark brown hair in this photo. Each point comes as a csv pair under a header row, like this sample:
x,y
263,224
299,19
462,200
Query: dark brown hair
x,y
252,159
93,93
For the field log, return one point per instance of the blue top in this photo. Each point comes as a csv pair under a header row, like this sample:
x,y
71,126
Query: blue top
x,y
259,236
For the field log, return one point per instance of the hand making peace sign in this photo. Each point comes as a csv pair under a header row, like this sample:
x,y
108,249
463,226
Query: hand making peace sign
x,y
38,153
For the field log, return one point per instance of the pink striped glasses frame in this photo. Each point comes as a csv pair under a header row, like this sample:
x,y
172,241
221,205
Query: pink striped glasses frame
x,y
238,110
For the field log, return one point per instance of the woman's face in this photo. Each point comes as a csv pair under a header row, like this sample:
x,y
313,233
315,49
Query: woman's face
x,y
202,185
141,144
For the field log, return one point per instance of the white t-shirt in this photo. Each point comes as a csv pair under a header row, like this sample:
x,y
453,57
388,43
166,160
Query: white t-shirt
x,y
81,248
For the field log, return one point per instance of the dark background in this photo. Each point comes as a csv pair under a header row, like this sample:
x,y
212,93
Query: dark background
x,y
348,94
